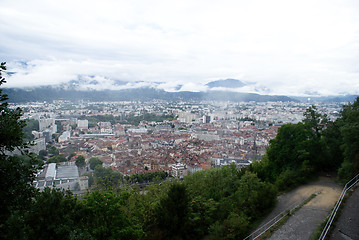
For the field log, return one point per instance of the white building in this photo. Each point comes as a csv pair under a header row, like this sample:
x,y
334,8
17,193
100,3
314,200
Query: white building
x,y
179,170
83,124
65,136
137,130
186,117
220,162
47,123
64,177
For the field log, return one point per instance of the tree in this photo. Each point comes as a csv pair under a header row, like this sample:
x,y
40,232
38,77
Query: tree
x,y
53,150
173,212
42,154
53,214
293,156
333,141
106,177
350,132
287,150
15,175
10,126
201,216
80,161
253,196
71,155
56,159
104,216
31,125
94,161
236,226
315,120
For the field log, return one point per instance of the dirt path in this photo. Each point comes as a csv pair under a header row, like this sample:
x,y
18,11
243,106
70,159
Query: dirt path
x,y
305,221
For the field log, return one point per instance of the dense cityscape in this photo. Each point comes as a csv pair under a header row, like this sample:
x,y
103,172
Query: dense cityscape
x,y
179,138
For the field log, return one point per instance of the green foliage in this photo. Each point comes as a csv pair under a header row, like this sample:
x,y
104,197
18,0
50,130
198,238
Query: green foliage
x,y
53,150
299,150
42,154
350,133
15,174
315,120
135,120
59,126
289,179
105,217
10,129
71,155
146,177
57,214
288,148
57,159
172,214
106,177
80,161
94,162
254,197
202,215
333,141
235,226
31,125
294,154
16,192
348,140
53,214
214,183
221,195
346,171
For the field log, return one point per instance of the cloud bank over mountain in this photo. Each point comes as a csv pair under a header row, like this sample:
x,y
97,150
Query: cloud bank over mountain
x,y
299,47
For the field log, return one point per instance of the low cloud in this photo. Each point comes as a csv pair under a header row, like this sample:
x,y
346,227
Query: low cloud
x,y
181,47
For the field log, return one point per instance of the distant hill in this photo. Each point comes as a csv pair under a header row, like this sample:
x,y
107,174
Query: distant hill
x,y
328,99
227,83
134,94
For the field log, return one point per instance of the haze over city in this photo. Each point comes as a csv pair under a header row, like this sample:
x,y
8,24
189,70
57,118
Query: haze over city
x,y
293,48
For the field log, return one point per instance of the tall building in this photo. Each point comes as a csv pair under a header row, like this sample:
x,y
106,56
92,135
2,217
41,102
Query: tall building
x,y
206,119
186,117
47,123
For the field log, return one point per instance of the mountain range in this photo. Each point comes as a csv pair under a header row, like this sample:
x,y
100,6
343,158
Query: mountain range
x,y
84,88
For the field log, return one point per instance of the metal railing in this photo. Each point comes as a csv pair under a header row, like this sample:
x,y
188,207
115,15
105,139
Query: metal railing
x,y
261,230
331,218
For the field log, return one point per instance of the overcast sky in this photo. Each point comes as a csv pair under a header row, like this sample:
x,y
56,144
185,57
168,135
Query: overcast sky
x,y
287,47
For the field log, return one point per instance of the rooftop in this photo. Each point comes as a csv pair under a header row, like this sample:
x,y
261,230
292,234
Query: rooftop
x,y
67,172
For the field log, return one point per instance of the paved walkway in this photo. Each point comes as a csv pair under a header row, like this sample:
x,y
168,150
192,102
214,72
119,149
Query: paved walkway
x,y
347,225
305,221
